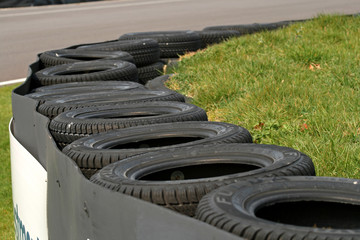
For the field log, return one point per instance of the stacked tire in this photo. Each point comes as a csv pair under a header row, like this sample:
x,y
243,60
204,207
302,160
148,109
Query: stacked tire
x,y
145,51
113,116
179,177
286,208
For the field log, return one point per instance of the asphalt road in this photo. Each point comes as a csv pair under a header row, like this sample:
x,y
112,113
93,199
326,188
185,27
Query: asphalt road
x,y
24,32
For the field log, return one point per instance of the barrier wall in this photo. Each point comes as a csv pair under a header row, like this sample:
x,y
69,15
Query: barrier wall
x,y
76,208
29,189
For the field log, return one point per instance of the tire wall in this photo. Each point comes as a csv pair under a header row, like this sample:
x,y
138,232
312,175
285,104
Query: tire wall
x,y
80,209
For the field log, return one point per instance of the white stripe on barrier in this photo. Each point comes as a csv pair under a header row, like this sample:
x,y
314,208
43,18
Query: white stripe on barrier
x,y
12,82
29,191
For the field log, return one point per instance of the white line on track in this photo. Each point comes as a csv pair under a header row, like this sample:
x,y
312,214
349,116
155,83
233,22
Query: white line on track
x,y
105,6
12,82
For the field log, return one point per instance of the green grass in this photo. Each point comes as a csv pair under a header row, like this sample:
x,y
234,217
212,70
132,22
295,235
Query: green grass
x,y
297,87
6,206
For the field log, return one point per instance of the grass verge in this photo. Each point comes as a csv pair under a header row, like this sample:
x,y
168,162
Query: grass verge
x,y
297,87
6,206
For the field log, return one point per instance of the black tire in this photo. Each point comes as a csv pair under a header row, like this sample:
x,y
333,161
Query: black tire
x,y
250,28
54,107
72,125
241,29
286,208
99,150
149,72
101,70
88,172
172,43
80,86
215,36
57,91
163,36
159,84
144,51
178,179
66,56
177,49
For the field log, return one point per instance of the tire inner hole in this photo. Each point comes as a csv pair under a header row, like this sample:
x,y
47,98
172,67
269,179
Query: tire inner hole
x,y
152,143
198,171
316,214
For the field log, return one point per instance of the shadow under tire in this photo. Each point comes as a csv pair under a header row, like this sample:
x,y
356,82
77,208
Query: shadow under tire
x,y
286,208
179,178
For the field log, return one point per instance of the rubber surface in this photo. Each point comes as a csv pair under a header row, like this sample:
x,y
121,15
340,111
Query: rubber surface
x,y
54,107
179,178
65,56
286,208
209,37
58,91
100,70
80,86
72,125
144,51
171,43
158,84
150,72
252,28
99,150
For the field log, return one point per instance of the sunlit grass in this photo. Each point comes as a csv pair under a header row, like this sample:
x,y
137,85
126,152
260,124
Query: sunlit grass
x,y
6,206
297,87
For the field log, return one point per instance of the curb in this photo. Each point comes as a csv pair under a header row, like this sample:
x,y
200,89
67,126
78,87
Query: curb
x,y
20,80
